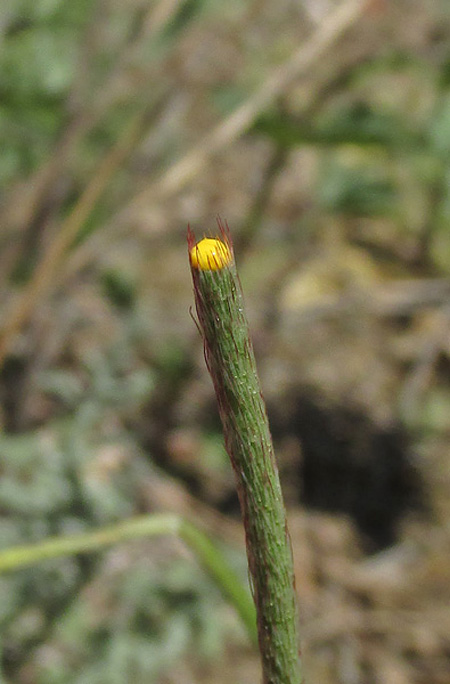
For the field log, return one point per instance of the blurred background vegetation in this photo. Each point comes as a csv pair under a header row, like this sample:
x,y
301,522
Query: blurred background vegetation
x,y
120,123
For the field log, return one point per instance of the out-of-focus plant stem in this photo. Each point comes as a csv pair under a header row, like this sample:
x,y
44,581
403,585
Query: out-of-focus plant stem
x,y
231,363
208,555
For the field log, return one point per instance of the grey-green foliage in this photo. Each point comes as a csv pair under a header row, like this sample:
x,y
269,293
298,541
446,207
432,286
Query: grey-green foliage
x,y
44,46
355,191
384,147
80,471
37,63
134,625
66,478
349,124
33,482
363,186
440,128
101,458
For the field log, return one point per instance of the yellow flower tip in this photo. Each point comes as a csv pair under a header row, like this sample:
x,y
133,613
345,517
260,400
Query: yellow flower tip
x,y
210,254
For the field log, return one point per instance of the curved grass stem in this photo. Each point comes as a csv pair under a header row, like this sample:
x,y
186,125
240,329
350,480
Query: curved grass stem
x,y
207,554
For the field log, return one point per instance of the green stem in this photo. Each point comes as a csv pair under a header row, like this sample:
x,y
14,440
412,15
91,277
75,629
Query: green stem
x,y
231,363
207,554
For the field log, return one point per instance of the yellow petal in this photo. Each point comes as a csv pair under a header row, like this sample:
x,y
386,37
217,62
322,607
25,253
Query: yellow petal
x,y
210,254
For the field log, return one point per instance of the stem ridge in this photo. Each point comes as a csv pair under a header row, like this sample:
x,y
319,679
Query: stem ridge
x,y
231,363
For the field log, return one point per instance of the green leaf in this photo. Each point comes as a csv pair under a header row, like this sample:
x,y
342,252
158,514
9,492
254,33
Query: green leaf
x,y
355,124
439,132
355,191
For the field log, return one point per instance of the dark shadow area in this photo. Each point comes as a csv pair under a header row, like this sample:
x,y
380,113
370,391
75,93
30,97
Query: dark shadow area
x,y
349,465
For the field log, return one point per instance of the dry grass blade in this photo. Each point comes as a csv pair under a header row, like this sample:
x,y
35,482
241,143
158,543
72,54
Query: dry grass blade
x,y
182,171
239,121
228,131
43,277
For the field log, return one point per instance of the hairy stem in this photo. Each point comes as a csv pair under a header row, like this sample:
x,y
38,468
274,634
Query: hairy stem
x,y
231,363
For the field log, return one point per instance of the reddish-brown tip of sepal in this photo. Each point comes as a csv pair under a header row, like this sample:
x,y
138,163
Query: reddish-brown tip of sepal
x,y
224,230
225,233
190,238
